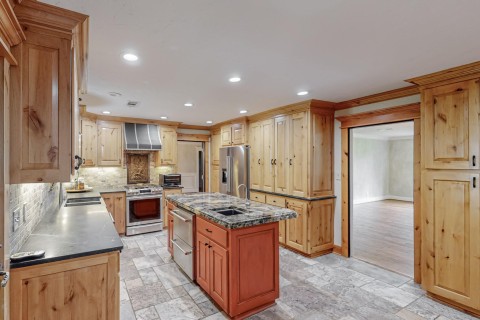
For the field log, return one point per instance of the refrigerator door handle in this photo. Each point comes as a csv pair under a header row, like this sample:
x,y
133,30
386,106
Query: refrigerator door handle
x,y
229,167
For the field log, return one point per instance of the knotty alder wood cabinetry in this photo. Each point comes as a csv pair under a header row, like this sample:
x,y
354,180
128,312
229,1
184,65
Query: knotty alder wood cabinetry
x,y
81,288
311,233
168,154
450,204
116,202
41,89
233,134
292,153
110,143
89,142
238,268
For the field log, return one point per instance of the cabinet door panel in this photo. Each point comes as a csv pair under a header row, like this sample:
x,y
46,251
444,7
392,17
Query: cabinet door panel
x,y
110,150
281,155
89,142
268,172
203,262
168,154
219,274
238,133
120,212
451,234
215,181
296,230
226,136
44,297
321,175
298,155
281,231
216,148
256,155
320,225
170,233
451,126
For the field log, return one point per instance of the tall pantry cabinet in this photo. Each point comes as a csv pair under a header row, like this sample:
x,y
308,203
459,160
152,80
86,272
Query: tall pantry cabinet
x,y
450,190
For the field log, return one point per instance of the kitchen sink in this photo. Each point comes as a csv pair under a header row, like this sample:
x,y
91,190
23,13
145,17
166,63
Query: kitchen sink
x,y
82,202
230,211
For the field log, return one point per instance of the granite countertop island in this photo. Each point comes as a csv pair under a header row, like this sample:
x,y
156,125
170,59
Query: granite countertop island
x,y
204,205
72,232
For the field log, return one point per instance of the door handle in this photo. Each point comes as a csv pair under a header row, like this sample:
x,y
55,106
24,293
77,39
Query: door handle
x,y
290,161
271,162
474,160
6,277
474,182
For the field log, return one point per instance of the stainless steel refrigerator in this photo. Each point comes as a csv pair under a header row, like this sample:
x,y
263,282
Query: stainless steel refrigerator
x,y
235,170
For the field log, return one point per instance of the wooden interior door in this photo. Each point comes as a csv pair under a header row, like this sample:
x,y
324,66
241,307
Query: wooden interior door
x,y
203,262
298,154
219,274
256,156
451,236
281,158
268,172
451,126
110,151
296,230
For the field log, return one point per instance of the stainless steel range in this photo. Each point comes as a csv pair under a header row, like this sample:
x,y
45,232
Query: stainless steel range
x,y
144,208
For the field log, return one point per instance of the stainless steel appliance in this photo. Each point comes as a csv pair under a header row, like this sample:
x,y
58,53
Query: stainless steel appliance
x,y
183,240
235,170
144,209
170,180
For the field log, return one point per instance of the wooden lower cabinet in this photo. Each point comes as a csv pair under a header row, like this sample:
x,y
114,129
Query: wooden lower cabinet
x,y
451,236
116,206
311,233
166,192
81,288
241,274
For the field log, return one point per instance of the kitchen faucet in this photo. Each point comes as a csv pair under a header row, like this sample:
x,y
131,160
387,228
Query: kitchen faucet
x,y
247,202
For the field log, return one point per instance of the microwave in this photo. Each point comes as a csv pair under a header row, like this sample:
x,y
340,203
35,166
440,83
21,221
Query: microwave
x,y
173,179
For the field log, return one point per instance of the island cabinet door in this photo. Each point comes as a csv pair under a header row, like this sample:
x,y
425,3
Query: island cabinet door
x,y
170,233
203,262
296,231
219,274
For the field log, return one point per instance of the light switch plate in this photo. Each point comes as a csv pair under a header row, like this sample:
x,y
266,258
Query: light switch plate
x,y
16,219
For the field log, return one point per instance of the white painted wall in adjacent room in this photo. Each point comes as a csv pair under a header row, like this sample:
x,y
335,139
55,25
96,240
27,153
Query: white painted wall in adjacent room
x,y
401,169
338,153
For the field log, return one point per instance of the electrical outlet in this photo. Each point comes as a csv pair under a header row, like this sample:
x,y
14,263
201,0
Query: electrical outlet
x,y
24,212
16,219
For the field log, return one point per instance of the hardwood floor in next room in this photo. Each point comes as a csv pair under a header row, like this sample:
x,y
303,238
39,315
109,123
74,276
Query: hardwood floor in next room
x,y
383,234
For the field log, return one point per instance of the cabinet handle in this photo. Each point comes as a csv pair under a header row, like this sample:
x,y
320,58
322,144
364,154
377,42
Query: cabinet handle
x,y
275,162
290,161
209,246
474,160
208,230
474,182
206,244
271,162
258,161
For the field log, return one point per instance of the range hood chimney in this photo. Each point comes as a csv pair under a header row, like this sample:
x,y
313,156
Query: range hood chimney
x,y
142,137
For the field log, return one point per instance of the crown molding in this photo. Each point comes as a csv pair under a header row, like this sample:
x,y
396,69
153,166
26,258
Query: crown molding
x,y
460,73
11,32
378,97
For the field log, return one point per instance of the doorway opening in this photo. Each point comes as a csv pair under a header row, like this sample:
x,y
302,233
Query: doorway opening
x,y
381,195
191,165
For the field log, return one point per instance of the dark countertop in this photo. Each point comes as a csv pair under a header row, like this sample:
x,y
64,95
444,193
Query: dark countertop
x,y
295,197
203,203
72,232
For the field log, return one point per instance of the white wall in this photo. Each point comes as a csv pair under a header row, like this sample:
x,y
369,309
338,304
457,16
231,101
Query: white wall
x,y
338,152
401,169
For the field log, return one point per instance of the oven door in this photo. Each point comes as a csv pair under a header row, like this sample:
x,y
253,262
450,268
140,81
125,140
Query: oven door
x,y
144,209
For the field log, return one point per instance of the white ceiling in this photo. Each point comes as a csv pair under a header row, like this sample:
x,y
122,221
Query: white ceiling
x,y
389,131
337,50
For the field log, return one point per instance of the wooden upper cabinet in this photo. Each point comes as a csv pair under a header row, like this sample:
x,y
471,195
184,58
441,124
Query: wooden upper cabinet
x,y
281,159
233,134
268,141
216,136
89,142
168,154
298,154
40,115
256,155
320,179
450,236
451,126
110,147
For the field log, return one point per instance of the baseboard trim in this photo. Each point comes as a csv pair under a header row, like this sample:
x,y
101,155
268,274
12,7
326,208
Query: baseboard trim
x,y
454,304
337,250
386,197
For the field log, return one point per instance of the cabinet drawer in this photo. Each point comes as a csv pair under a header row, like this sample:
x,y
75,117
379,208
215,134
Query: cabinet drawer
x,y
275,200
212,232
257,196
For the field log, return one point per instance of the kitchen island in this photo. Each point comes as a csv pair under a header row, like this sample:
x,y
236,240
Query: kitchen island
x,y
236,249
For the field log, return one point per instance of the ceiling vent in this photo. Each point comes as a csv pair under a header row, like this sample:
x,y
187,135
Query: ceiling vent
x,y
132,104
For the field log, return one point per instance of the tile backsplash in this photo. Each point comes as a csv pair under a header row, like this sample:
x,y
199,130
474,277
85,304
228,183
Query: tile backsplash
x,y
33,200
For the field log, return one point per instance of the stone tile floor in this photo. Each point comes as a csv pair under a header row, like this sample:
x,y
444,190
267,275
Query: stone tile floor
x,y
328,287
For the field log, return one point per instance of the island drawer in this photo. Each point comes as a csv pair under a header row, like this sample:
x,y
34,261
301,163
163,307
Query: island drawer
x,y
275,200
212,231
257,196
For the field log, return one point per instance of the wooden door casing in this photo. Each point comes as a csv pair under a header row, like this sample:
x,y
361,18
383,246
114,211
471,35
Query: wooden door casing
x,y
451,234
451,126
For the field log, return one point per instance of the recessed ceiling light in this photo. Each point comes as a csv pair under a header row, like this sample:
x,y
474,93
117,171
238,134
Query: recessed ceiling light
x,y
130,57
243,111
302,93
163,118
209,121
114,94
234,79
106,112
188,104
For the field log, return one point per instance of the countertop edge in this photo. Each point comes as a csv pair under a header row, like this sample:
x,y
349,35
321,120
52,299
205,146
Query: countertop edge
x,y
294,197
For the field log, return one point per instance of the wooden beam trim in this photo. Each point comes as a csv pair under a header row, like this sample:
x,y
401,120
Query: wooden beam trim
x,y
467,71
193,137
378,97
193,127
395,114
